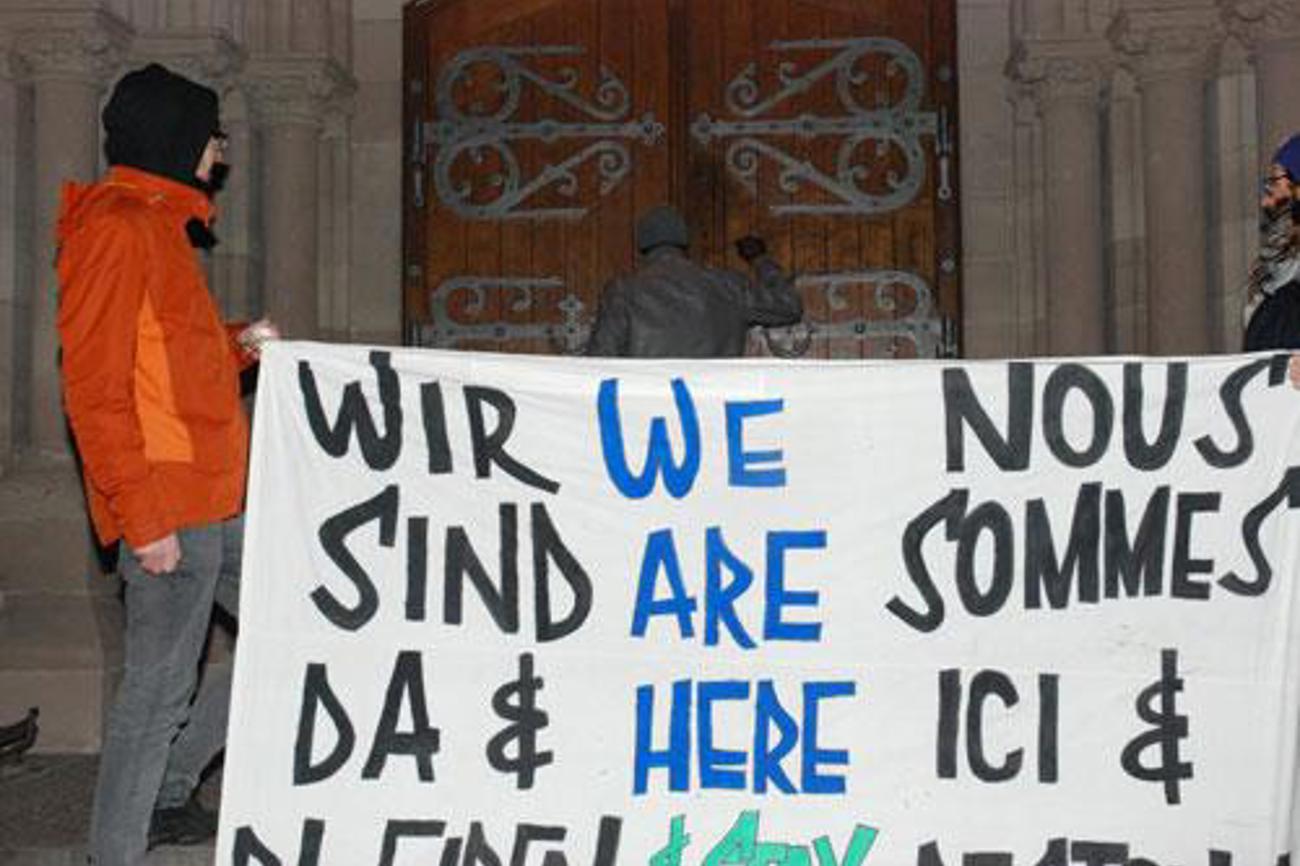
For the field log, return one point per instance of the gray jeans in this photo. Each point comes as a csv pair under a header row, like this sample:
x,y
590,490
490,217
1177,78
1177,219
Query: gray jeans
x,y
157,741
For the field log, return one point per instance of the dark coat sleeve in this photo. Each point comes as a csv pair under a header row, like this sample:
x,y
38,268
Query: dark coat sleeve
x,y
610,333
772,299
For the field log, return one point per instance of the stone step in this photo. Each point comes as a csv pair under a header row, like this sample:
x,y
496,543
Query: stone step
x,y
52,655
45,534
198,855
60,618
45,804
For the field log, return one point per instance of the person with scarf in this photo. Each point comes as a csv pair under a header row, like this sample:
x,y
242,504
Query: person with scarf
x,y
1273,291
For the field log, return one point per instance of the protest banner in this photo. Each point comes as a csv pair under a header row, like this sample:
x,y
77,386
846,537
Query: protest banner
x,y
521,611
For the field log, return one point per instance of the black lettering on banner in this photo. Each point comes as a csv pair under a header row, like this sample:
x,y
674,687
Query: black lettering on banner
x,y
405,688
433,413
1167,729
248,848
1184,566
992,518
526,834
611,827
1043,573
962,408
1140,453
516,702
1224,858
490,448
945,759
1288,491
1049,727
502,603
952,505
1230,396
417,567
451,852
395,831
477,850
984,684
1056,853
379,452
1136,566
1098,853
987,858
1063,380
317,694
549,547
928,854
333,540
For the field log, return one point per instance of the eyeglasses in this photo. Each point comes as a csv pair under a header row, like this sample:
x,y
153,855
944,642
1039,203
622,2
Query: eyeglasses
x,y
1273,180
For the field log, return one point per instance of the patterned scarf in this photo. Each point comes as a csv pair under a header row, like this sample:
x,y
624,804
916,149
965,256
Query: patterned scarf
x,y
1278,262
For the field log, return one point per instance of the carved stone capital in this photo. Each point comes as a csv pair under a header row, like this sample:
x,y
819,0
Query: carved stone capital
x,y
78,44
1024,105
1053,70
1259,23
296,90
209,57
1162,41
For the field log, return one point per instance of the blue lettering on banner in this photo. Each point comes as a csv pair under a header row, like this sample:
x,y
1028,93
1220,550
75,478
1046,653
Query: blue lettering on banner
x,y
740,461
736,769
721,597
778,597
678,477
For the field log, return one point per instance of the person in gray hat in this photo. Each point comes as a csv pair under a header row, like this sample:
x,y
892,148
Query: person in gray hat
x,y
672,307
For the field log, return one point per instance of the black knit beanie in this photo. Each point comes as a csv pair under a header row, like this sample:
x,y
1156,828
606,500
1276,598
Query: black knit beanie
x,y
160,122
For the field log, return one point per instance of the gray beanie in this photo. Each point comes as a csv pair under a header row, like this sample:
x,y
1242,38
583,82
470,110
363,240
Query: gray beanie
x,y
661,226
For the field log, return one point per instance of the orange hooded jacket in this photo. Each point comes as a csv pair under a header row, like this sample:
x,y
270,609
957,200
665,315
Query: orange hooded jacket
x,y
150,373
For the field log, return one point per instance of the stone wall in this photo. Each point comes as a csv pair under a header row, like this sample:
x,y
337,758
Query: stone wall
x,y
1111,153
309,224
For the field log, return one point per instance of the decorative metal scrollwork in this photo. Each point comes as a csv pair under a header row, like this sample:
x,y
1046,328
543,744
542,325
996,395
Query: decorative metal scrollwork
x,y
482,133
570,336
921,326
889,125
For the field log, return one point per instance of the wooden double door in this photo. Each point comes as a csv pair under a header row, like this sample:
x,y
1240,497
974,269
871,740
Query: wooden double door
x,y
536,131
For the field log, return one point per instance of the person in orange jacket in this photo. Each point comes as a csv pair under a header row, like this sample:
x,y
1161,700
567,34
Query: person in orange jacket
x,y
151,388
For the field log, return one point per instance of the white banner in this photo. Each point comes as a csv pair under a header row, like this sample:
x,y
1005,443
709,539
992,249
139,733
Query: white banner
x,y
519,611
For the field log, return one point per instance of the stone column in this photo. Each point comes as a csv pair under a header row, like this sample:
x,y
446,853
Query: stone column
x,y
291,96
1171,49
68,59
1066,79
1270,29
1029,261
15,241
334,235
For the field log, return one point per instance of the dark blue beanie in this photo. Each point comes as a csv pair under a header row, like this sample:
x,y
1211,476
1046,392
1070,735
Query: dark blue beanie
x,y
1288,156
